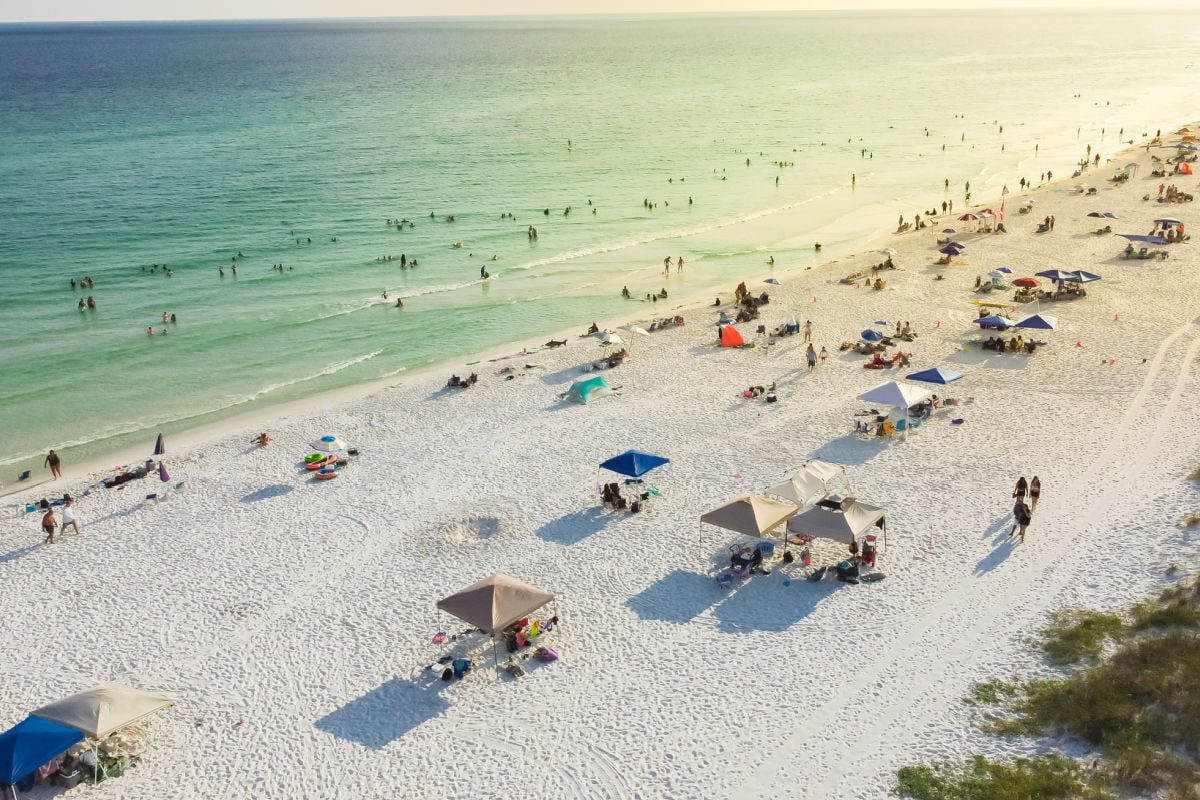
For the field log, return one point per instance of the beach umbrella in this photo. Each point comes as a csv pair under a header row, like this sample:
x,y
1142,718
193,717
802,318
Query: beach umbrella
x,y
997,275
1043,322
1027,283
1004,270
968,218
949,230
634,463
162,473
1167,221
611,338
1056,275
328,444
994,321
888,251
951,251
160,447
772,280
636,330
1079,276
936,375
871,336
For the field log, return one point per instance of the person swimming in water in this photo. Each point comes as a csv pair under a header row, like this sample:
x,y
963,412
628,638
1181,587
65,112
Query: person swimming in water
x,y
91,302
82,304
399,303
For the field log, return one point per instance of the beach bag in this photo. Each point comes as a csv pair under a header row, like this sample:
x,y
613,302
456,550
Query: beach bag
x,y
546,654
460,666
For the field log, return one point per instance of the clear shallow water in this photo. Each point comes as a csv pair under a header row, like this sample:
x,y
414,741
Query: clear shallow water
x,y
125,146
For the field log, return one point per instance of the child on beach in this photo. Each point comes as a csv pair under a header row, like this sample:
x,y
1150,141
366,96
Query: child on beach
x,y
49,524
68,516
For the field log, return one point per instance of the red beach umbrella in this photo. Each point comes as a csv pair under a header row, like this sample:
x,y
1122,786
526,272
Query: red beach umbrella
x,y
1027,283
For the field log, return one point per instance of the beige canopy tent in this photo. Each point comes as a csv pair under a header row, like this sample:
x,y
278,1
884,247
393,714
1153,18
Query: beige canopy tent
x,y
843,522
103,710
494,603
750,515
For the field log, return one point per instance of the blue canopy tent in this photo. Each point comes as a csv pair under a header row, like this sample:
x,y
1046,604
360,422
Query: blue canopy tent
x,y
634,463
1137,237
936,375
1080,276
1056,275
994,321
31,743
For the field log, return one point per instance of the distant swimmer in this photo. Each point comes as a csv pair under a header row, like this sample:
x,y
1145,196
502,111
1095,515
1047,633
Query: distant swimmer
x,y
771,261
385,297
403,259
399,303
222,269
166,316
91,302
173,320
164,331
817,247
149,331
546,212
625,293
82,305
483,272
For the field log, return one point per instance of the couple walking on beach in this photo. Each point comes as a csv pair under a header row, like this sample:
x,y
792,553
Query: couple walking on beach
x,y
69,519
1023,512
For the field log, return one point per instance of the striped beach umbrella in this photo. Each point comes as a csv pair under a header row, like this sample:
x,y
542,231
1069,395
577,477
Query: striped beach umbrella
x,y
160,447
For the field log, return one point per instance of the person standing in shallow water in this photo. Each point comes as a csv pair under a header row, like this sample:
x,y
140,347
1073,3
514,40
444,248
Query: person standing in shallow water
x,y
55,464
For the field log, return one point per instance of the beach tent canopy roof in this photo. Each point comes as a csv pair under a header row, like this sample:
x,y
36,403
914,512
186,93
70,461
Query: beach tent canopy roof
x,y
993,321
896,395
1167,221
1043,322
585,389
1056,275
850,521
495,602
1080,276
810,483
936,375
731,337
1137,237
750,514
328,444
634,463
103,709
31,743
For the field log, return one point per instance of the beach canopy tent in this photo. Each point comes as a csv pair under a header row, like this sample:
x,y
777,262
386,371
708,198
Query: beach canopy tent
x,y
1081,276
992,321
935,375
1167,222
1043,322
585,390
844,521
810,483
1137,237
328,444
1056,275
730,337
31,743
495,602
104,709
634,463
896,395
750,515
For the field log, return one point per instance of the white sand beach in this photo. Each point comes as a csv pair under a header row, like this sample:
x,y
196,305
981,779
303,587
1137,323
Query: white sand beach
x,y
292,620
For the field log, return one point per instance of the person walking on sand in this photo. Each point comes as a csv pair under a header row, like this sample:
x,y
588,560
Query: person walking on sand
x,y
1019,492
68,516
55,464
49,524
812,357
1022,516
808,330
824,355
1035,491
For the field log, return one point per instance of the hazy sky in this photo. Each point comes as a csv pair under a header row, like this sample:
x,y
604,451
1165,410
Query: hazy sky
x,y
63,10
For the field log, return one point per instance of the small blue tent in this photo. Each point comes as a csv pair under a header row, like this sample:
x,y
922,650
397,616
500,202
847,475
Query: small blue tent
x,y
31,743
634,463
871,336
993,321
936,375
585,389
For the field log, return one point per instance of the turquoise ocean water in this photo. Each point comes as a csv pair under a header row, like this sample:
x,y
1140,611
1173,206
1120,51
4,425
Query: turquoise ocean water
x,y
125,146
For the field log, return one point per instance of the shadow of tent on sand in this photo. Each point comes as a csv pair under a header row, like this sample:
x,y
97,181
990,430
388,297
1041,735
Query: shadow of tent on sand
x,y
677,597
385,713
576,526
764,604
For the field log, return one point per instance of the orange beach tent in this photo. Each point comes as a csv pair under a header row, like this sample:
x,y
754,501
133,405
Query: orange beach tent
x,y
730,337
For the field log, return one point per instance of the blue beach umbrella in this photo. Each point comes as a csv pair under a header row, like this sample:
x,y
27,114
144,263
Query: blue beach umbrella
x,y
160,447
994,321
772,280
31,743
1043,322
936,375
871,336
1005,270
951,251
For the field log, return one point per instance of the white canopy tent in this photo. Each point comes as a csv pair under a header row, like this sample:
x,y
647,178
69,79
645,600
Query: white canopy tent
x,y
897,395
809,483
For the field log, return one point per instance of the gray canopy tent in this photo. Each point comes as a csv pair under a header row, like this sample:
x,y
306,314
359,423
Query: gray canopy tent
x,y
494,603
843,521
749,514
